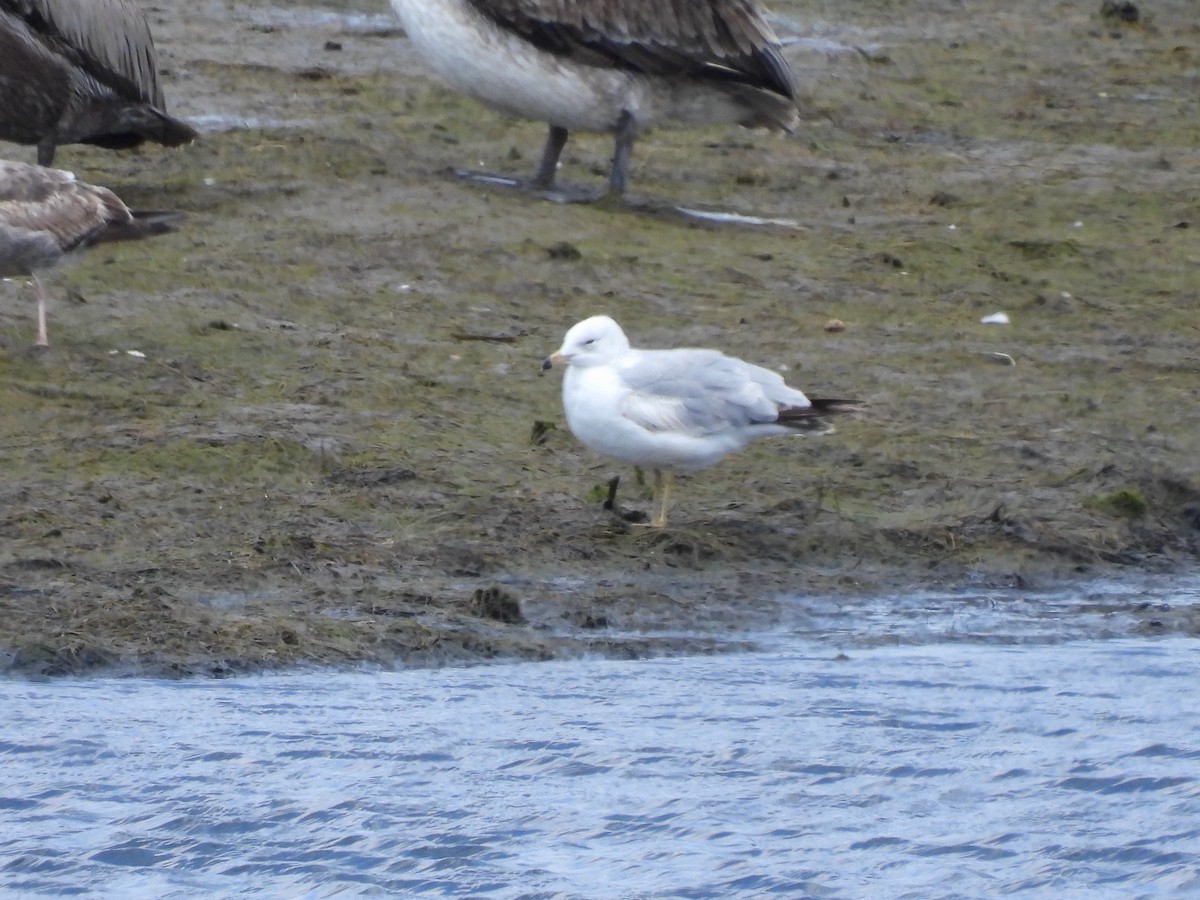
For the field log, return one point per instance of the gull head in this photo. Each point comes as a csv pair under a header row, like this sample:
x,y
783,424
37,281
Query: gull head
x,y
592,342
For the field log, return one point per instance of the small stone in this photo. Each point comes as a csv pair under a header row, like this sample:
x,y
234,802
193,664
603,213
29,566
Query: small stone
x,y
496,604
834,326
1120,11
564,250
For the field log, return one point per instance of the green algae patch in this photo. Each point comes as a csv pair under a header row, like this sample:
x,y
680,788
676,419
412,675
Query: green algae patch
x,y
1127,503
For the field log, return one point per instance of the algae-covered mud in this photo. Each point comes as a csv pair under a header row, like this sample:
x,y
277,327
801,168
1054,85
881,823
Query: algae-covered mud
x,y
310,428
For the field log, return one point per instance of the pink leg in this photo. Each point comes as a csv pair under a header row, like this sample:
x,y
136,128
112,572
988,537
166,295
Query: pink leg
x,y
42,340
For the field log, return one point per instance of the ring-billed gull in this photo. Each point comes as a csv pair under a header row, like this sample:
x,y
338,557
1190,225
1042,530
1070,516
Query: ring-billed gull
x,y
674,410
45,214
615,66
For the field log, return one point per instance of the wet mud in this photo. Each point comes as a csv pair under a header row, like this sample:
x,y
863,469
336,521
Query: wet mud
x,y
310,428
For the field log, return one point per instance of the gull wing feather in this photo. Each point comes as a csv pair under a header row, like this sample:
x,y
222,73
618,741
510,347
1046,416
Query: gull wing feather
x,y
27,183
111,40
726,39
52,202
701,391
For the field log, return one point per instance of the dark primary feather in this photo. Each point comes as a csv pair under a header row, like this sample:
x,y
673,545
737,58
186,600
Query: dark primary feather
x,y
812,418
721,39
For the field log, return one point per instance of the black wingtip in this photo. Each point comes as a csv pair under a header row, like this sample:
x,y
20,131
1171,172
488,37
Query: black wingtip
x,y
829,407
145,223
812,418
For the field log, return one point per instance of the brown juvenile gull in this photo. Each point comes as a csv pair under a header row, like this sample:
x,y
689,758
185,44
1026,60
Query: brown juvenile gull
x,y
674,410
613,66
45,214
81,72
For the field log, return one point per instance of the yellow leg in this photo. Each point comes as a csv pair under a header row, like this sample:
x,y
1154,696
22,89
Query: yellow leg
x,y
662,496
42,340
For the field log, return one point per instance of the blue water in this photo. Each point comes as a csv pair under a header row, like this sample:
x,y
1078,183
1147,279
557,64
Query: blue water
x,y
1062,767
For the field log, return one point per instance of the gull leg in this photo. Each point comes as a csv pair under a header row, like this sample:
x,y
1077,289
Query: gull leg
x,y
618,177
42,339
611,502
556,139
662,496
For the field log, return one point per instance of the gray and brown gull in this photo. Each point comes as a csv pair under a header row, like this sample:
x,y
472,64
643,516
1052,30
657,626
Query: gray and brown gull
x,y
47,214
611,66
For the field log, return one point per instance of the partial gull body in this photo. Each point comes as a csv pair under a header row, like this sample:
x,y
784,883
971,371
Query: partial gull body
x,y
674,410
81,72
45,214
613,66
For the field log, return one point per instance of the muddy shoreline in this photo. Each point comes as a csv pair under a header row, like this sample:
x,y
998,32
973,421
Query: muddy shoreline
x,y
336,447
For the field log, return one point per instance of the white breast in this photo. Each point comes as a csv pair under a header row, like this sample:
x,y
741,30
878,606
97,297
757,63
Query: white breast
x,y
498,68
592,399
591,403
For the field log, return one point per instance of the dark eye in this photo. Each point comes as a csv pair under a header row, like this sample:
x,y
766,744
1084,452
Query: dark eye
x,y
589,341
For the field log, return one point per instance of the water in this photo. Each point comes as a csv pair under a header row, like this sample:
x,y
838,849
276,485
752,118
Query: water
x,y
1038,758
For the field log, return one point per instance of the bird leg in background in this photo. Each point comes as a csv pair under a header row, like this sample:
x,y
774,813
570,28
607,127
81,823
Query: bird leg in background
x,y
42,339
662,497
547,169
618,177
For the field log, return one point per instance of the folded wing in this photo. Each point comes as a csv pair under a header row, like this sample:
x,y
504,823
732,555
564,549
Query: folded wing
x,y
112,39
725,39
701,392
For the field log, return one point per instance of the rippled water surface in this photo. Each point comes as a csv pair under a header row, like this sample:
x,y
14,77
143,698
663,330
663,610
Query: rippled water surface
x,y
946,767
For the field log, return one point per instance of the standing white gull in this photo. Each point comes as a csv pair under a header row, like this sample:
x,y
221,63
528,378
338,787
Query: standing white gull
x,y
45,214
614,66
674,410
